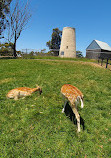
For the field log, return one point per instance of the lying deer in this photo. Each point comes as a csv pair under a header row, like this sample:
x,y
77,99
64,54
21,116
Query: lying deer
x,y
22,92
74,96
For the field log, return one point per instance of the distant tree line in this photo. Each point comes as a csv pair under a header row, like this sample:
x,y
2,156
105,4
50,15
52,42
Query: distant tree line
x,y
34,54
6,49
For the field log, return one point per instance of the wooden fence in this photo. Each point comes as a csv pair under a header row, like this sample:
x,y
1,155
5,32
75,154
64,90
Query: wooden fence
x,y
104,60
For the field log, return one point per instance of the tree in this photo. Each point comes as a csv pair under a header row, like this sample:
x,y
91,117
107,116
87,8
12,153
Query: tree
x,y
79,54
6,49
55,41
18,19
4,11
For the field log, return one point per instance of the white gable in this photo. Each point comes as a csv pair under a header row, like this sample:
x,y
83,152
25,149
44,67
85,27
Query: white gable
x,y
98,45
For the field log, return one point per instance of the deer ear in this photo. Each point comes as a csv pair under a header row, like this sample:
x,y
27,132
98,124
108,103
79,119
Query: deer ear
x,y
40,91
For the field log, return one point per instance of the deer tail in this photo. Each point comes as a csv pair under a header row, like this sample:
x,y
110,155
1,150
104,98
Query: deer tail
x,y
82,104
81,100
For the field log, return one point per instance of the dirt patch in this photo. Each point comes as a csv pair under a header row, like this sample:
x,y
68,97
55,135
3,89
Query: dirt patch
x,y
104,66
96,65
92,64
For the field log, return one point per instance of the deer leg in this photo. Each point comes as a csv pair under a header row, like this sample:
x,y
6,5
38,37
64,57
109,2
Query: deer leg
x,y
65,102
16,95
77,117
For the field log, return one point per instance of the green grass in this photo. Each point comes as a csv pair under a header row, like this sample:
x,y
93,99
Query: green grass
x,y
34,127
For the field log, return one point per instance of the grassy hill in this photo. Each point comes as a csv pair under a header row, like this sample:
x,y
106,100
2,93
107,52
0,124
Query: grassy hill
x,y
34,127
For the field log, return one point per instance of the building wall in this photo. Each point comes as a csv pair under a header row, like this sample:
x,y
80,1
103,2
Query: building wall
x,y
92,55
97,54
68,43
105,55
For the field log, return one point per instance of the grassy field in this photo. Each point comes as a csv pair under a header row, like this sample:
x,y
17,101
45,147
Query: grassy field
x,y
34,127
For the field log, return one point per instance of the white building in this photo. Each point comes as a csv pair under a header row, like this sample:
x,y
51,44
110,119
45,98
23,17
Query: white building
x,y
68,43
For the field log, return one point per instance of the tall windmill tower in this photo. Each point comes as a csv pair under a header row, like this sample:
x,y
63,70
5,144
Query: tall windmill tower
x,y
68,43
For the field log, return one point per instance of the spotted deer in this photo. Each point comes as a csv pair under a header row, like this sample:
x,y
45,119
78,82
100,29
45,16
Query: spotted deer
x,y
22,92
74,96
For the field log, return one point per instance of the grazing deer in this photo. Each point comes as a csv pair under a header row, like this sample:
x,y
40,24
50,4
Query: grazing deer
x,y
74,96
22,92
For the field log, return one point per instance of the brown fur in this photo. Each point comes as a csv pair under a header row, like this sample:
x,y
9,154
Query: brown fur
x,y
73,94
21,92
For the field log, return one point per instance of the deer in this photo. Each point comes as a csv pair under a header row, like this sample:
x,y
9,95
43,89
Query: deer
x,y
74,96
22,92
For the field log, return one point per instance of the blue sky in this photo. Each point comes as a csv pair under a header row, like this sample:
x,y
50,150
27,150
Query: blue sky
x,y
91,19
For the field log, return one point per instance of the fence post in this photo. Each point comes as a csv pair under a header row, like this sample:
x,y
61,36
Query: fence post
x,y
107,63
98,60
102,61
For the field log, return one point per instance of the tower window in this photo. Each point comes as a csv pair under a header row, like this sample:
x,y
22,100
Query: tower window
x,y
66,47
62,53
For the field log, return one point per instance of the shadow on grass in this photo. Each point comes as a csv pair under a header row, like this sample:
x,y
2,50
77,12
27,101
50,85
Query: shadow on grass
x,y
71,115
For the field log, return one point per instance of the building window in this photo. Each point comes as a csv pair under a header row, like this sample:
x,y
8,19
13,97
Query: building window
x,y
62,53
66,47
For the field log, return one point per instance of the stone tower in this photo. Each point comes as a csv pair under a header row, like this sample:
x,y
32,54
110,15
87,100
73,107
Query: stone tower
x,y
68,43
